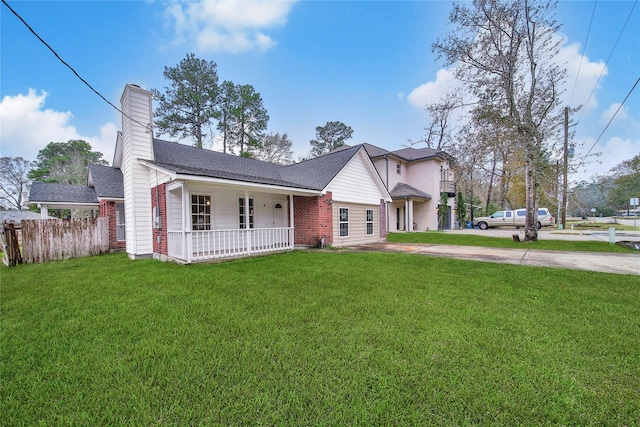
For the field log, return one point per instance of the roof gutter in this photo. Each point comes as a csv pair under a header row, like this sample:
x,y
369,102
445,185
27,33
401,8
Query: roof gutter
x,y
232,183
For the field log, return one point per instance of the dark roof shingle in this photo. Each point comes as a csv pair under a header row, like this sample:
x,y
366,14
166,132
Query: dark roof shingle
x,y
402,191
107,181
42,192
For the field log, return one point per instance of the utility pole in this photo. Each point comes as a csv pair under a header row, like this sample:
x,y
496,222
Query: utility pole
x,y
563,210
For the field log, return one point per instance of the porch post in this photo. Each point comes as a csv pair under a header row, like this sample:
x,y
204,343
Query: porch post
x,y
185,223
247,225
44,212
291,226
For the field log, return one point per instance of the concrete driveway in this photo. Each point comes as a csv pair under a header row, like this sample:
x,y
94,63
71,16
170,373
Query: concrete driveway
x,y
590,261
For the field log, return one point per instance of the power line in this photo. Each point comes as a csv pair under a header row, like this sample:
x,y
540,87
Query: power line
x,y
607,62
610,120
584,49
69,66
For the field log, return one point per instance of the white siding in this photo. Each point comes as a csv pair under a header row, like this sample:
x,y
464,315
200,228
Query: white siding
x,y
136,144
225,207
174,209
356,183
357,224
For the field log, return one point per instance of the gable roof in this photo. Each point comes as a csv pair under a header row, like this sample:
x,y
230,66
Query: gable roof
x,y
318,172
312,174
107,182
44,192
408,154
404,191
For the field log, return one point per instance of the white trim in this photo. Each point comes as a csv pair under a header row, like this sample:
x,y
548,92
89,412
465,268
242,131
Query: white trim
x,y
342,222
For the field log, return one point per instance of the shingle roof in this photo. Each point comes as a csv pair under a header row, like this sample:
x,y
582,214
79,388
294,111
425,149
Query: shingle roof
x,y
312,174
408,154
318,172
107,181
42,192
402,191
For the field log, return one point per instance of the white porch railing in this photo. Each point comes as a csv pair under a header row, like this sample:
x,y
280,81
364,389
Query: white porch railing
x,y
210,244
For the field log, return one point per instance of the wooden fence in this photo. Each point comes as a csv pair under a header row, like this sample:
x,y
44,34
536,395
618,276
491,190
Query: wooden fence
x,y
56,239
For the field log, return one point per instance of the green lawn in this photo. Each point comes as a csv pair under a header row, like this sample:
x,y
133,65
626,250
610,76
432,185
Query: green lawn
x,y
444,238
317,338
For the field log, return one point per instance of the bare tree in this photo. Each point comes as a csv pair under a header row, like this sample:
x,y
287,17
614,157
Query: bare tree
x,y
438,133
14,182
505,49
275,148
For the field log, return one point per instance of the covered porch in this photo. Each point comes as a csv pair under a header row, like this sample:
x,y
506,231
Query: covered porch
x,y
207,221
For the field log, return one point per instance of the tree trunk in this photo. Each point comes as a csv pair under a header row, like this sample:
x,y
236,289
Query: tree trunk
x,y
531,223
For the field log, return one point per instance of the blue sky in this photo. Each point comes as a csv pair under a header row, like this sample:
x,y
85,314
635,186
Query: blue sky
x,y
366,64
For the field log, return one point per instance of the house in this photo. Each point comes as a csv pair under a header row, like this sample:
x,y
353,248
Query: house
x,y
175,202
416,178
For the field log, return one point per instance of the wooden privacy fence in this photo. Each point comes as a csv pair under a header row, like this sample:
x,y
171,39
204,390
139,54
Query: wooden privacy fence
x,y
56,239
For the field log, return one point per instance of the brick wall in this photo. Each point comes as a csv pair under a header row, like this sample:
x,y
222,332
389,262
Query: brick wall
x,y
383,220
313,220
107,209
159,198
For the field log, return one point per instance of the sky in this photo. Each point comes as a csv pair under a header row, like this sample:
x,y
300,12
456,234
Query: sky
x,y
367,64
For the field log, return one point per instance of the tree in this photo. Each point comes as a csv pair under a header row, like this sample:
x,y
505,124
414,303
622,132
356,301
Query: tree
x,y
438,131
189,104
249,119
625,183
329,137
65,162
275,148
14,182
504,51
227,102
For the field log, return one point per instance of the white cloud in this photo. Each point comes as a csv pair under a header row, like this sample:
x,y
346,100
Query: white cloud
x,y
26,127
431,92
604,157
227,25
568,56
620,116
579,90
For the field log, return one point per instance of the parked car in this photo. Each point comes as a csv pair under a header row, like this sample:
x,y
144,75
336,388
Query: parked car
x,y
513,218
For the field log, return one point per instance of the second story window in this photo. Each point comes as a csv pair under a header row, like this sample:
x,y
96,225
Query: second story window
x,y
398,168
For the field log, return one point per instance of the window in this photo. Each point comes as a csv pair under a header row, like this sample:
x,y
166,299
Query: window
x,y
398,168
344,222
200,212
120,222
508,214
369,220
499,214
241,212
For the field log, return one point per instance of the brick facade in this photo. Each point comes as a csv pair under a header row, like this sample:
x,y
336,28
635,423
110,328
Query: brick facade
x,y
159,198
313,219
107,209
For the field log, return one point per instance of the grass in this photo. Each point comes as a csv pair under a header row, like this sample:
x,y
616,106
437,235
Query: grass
x,y
317,338
443,238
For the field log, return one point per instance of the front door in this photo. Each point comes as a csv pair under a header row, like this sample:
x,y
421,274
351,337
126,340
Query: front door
x,y
279,213
400,218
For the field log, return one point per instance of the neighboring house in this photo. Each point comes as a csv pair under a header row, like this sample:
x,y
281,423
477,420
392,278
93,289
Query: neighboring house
x,y
416,179
103,194
171,201
17,216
